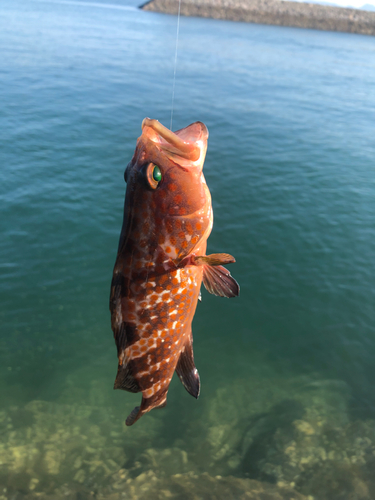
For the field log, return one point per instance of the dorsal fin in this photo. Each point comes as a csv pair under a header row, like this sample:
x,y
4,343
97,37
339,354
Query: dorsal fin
x,y
125,380
124,336
186,370
219,281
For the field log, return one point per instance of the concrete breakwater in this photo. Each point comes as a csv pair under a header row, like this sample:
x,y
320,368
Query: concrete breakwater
x,y
276,12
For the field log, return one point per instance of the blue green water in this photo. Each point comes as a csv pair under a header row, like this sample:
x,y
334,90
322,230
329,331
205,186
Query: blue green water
x,y
291,169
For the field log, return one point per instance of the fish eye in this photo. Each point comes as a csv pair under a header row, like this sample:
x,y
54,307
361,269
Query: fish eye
x,y
153,175
156,174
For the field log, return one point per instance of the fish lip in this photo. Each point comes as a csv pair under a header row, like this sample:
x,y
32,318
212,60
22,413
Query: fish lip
x,y
185,153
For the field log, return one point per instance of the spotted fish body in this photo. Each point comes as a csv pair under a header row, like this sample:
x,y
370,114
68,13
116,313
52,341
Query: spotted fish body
x,y
161,262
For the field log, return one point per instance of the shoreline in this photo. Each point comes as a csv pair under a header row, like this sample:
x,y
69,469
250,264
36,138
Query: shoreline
x,y
273,12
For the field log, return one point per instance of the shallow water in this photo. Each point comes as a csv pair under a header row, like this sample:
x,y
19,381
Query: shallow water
x,y
289,365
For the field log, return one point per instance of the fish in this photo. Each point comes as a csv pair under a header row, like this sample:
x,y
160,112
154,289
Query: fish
x,y
161,263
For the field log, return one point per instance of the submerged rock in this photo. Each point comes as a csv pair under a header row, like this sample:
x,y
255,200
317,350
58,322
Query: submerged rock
x,y
63,444
293,433
274,439
190,486
203,486
82,452
166,461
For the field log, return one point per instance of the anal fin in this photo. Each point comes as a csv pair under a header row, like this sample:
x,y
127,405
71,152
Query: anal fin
x,y
219,281
187,371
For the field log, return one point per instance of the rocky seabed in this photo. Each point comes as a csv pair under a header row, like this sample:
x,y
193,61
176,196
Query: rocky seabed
x,y
279,439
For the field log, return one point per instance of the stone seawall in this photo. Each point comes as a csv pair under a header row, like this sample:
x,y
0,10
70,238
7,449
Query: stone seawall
x,y
276,12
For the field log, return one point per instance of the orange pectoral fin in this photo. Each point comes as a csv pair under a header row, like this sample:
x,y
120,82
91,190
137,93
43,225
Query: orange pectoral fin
x,y
215,259
219,281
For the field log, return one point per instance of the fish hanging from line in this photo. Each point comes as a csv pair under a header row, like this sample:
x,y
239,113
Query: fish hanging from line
x,y
161,263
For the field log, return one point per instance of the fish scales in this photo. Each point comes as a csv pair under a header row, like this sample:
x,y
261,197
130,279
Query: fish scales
x,y
161,262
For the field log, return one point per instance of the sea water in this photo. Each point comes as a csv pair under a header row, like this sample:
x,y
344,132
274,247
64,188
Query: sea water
x,y
287,369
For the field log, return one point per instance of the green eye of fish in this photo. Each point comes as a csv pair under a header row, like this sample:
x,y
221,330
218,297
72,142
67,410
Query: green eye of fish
x,y
156,174
153,175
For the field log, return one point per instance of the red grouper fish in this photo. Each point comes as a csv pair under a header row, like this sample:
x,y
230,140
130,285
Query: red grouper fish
x,y
161,263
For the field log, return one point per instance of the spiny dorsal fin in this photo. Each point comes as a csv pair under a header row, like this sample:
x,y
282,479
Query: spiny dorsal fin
x,y
186,370
219,281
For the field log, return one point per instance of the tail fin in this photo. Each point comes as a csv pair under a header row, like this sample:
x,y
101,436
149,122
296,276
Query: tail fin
x,y
133,417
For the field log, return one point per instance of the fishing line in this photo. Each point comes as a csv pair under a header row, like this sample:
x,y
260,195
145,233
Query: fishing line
x,y
175,59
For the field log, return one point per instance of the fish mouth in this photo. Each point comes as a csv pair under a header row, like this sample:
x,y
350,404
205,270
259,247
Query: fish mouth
x,y
189,143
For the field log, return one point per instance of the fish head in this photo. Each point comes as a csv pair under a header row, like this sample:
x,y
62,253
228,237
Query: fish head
x,y
167,195
166,168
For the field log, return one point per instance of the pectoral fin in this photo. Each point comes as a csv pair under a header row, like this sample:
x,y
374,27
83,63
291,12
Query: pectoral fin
x,y
219,281
215,259
186,370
